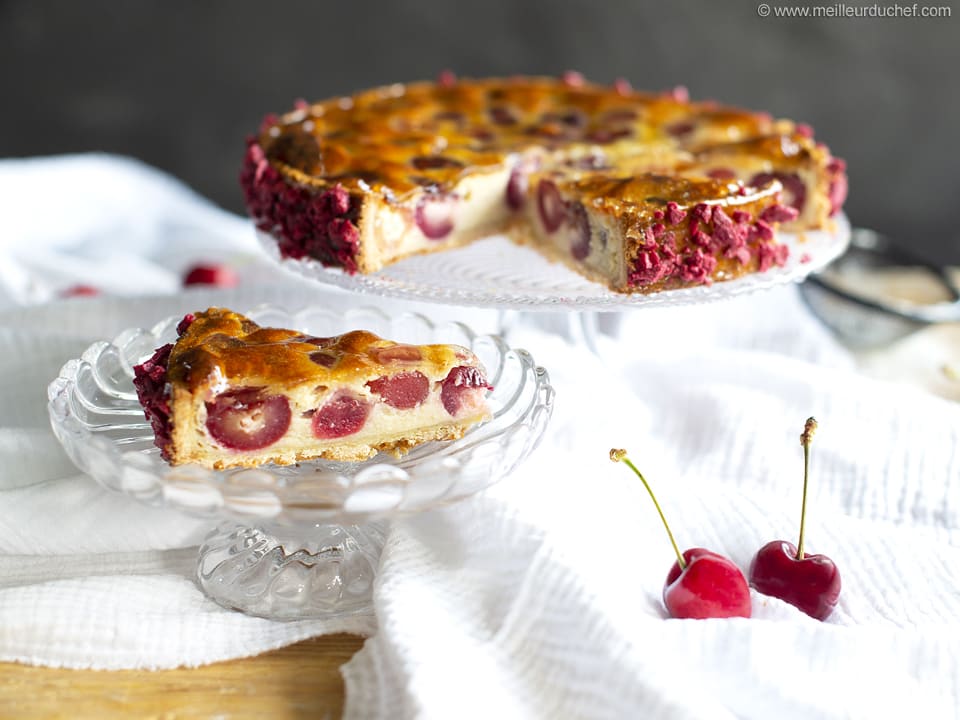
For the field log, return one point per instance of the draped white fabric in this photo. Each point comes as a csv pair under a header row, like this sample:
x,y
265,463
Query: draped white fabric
x,y
540,597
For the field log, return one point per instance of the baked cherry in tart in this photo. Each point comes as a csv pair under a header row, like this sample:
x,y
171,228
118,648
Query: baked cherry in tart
x,y
230,393
619,185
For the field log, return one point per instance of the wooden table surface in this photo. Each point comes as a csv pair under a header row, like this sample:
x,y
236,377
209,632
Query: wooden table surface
x,y
299,681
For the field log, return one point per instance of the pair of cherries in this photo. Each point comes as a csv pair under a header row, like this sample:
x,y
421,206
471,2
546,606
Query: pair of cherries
x,y
705,584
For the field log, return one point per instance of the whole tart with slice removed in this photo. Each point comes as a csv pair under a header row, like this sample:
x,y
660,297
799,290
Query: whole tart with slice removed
x,y
639,191
229,393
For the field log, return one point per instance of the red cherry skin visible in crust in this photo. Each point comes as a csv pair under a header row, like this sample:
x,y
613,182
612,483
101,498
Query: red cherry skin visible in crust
x,y
434,216
246,419
460,381
711,586
553,210
342,415
811,584
403,391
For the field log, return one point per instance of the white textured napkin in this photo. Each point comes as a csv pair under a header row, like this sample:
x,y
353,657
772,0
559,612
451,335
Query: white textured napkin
x,y
105,221
539,598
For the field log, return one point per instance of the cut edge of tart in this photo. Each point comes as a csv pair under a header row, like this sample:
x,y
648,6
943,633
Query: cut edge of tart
x,y
363,181
229,393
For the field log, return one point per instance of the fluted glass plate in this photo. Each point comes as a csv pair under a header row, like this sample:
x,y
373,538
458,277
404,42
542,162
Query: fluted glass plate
x,y
95,414
496,272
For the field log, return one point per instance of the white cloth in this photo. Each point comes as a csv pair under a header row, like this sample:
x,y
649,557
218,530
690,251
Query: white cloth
x,y
104,221
540,597
543,598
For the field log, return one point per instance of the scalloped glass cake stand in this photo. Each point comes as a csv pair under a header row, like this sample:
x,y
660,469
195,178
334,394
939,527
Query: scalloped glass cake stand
x,y
498,273
302,540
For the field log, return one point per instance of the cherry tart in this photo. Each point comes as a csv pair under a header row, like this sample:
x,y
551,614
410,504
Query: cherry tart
x,y
641,192
229,393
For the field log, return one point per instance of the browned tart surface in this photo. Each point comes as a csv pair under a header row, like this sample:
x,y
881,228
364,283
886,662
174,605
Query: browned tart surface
x,y
223,344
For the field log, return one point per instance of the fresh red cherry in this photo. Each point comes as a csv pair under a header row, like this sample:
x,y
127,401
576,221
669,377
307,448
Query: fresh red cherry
x,y
216,275
811,582
701,583
710,586
80,291
808,582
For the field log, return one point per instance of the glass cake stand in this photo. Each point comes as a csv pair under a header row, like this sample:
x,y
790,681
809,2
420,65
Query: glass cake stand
x,y
301,540
498,273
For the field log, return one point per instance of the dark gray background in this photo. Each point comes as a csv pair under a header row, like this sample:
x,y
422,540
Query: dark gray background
x,y
181,84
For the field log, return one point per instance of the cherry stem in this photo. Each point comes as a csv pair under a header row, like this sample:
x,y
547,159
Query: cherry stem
x,y
621,456
805,439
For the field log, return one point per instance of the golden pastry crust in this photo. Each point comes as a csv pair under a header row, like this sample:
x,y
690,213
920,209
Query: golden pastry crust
x,y
222,346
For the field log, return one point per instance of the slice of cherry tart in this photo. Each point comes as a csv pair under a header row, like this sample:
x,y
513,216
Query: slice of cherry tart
x,y
229,393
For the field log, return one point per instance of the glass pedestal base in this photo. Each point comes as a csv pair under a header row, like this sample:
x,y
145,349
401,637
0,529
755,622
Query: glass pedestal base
x,y
326,570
